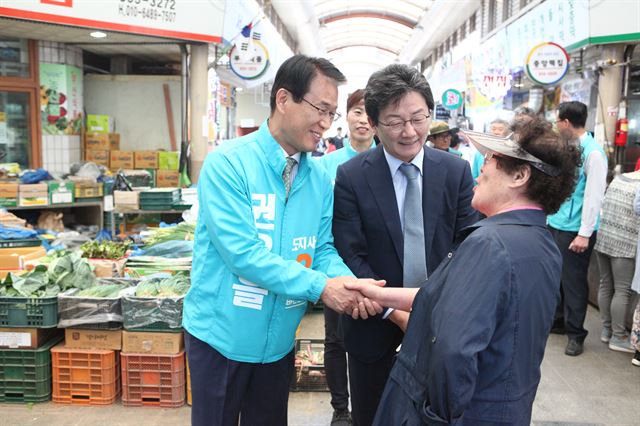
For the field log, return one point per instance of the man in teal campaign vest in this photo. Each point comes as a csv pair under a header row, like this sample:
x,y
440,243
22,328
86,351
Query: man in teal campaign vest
x,y
574,226
263,248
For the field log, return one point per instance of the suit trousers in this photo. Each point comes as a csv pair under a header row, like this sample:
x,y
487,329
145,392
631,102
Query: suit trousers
x,y
335,360
367,382
224,390
574,286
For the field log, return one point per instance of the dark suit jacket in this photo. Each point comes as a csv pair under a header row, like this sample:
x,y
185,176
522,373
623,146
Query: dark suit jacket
x,y
368,234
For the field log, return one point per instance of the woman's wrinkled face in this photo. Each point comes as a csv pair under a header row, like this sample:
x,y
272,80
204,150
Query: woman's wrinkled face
x,y
492,189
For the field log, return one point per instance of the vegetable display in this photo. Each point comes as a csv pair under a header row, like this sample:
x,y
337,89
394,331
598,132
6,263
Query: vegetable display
x,y
105,249
63,273
174,286
180,232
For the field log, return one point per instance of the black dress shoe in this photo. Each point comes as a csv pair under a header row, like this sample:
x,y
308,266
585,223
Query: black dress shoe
x,y
574,348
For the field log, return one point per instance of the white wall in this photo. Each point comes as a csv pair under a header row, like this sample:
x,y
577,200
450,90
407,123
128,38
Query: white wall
x,y
613,17
137,104
252,104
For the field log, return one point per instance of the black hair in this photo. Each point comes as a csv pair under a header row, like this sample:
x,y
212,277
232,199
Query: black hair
x,y
295,75
390,84
575,112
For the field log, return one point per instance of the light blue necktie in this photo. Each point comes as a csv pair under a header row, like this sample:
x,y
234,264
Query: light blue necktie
x,y
286,175
414,265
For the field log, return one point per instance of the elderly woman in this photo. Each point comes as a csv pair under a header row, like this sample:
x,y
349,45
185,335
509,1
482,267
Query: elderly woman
x,y
478,327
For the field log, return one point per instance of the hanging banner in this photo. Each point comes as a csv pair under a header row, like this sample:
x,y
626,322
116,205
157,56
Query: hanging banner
x,y
250,60
61,99
194,20
547,63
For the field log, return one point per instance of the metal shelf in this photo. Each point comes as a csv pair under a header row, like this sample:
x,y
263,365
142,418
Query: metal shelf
x,y
58,206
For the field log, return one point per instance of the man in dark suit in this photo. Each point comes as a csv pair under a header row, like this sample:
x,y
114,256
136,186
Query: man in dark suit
x,y
397,210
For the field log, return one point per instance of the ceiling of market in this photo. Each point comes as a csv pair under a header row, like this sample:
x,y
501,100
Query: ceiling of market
x,y
359,36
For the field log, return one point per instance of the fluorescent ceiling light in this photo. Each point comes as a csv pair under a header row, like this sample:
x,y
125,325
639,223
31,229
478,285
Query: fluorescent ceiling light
x,y
98,34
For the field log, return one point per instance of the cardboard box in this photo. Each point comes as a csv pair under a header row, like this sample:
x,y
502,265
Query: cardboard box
x,y
93,339
27,338
33,194
16,259
122,160
168,160
127,200
9,194
167,179
146,160
152,343
100,123
97,141
108,268
9,190
61,192
114,141
89,189
99,156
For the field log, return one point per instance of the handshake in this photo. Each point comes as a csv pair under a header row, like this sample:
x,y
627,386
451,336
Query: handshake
x,y
352,296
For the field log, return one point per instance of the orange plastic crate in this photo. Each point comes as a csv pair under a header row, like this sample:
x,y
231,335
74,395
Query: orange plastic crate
x,y
85,376
153,380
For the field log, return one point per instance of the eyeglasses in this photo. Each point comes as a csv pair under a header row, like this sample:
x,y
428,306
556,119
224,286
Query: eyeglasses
x,y
417,121
333,116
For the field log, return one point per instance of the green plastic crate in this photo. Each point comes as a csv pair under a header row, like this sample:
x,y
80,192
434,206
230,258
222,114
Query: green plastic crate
x,y
25,374
29,312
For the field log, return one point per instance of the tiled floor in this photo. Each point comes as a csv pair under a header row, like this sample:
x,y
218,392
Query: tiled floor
x,y
600,387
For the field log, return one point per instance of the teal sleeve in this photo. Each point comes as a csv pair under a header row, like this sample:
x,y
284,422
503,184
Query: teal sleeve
x,y
226,209
327,259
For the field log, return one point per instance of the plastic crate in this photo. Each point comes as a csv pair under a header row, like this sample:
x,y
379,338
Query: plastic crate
x,y
100,313
308,378
153,380
152,313
25,374
29,312
85,376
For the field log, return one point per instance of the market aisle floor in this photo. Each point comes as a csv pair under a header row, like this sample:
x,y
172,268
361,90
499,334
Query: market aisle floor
x,y
600,387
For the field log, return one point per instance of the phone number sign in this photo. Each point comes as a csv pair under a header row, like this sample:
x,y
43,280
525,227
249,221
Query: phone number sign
x,y
191,20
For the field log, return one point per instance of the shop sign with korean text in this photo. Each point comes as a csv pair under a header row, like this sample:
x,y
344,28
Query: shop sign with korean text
x,y
452,99
547,63
249,60
193,20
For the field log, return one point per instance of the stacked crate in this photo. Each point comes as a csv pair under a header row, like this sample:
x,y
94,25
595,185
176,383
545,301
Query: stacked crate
x,y
153,360
85,376
159,198
25,374
28,332
86,369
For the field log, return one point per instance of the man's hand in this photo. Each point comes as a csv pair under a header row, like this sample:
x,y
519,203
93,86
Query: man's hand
x,y
579,244
400,318
342,300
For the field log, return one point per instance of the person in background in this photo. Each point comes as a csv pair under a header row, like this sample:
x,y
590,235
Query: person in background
x,y
498,127
635,286
335,357
440,136
478,328
615,250
263,249
575,225
397,209
360,135
456,141
338,139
